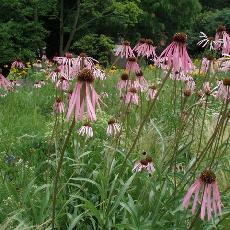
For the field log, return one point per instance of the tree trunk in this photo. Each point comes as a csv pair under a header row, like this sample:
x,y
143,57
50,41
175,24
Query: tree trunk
x,y
61,28
74,28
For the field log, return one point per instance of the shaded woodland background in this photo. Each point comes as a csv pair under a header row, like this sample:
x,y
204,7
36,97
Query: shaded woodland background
x,y
29,26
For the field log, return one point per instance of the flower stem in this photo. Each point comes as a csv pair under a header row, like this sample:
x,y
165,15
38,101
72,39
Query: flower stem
x,y
143,123
55,188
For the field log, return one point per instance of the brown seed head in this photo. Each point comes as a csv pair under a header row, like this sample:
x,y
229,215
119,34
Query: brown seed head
x,y
153,87
126,43
69,55
58,100
144,162
142,40
140,74
221,29
226,81
111,121
133,90
63,79
187,92
149,41
132,59
208,176
86,75
210,57
83,55
200,94
124,76
180,37
57,70
211,38
87,124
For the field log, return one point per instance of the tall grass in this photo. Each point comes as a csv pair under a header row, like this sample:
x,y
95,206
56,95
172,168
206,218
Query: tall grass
x,y
97,189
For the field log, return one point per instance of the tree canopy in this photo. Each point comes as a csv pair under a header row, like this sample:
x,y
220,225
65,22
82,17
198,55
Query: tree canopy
x,y
26,26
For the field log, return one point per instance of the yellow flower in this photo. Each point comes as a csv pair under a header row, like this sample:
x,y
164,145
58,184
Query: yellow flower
x,y
23,72
112,71
98,66
5,66
151,66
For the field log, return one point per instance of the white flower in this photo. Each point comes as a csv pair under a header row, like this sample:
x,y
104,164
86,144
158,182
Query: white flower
x,y
205,40
86,130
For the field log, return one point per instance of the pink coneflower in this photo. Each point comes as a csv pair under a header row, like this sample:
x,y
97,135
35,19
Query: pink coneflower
x,y
42,82
59,106
207,64
142,84
223,91
132,97
98,73
137,46
221,34
176,55
152,91
124,82
224,63
14,83
207,88
37,65
161,62
67,60
37,85
17,64
69,95
4,83
114,128
86,130
190,85
205,40
124,50
178,76
145,164
147,49
132,65
44,58
83,95
63,83
56,74
210,197
83,61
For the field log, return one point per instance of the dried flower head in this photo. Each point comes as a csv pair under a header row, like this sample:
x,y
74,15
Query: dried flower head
x,y
180,37
149,41
86,75
126,43
132,59
140,74
220,28
208,176
226,81
133,90
83,55
187,92
124,76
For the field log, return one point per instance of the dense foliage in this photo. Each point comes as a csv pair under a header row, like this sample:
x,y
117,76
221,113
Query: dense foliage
x,y
26,26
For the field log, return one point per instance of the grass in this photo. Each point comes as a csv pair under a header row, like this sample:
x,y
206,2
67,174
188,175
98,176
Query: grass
x,y
92,191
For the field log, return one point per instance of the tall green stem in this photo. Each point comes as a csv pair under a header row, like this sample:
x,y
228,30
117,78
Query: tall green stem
x,y
60,162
